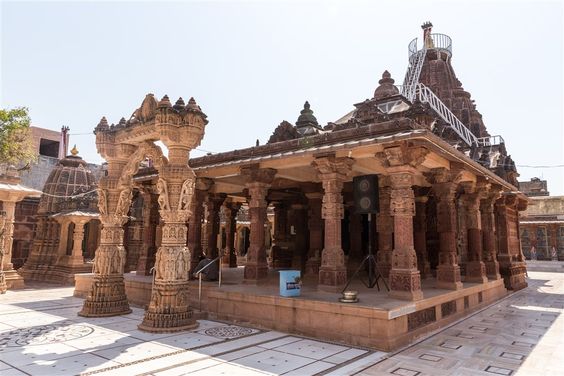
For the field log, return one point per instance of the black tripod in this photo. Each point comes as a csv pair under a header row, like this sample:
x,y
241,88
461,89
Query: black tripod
x,y
373,273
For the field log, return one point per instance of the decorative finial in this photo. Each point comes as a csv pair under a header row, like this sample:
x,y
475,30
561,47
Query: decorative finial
x,y
179,105
386,88
192,105
165,102
427,25
74,151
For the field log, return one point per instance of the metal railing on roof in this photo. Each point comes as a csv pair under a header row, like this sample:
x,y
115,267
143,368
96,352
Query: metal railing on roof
x,y
439,41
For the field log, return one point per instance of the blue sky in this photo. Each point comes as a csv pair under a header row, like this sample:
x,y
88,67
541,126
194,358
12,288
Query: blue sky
x,y
252,64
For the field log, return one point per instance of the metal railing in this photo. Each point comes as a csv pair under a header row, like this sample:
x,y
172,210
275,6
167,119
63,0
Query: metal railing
x,y
440,42
412,75
490,141
424,94
199,274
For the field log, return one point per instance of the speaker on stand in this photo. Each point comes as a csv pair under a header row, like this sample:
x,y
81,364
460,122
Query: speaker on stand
x,y
365,189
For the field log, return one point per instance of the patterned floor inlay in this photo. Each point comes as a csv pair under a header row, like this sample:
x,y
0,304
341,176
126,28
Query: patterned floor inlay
x,y
499,370
229,331
43,335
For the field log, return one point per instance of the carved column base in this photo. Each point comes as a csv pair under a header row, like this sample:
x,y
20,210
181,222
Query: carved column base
x,y
255,272
492,270
107,298
448,277
332,278
476,272
405,284
13,280
168,311
514,275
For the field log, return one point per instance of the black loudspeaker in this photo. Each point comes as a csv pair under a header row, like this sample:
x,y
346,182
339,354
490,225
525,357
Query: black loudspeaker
x,y
366,194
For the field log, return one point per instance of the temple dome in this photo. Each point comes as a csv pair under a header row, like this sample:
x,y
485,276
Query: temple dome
x,y
386,88
69,177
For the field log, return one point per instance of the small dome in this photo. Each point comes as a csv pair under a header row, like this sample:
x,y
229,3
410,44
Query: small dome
x,y
307,123
386,88
69,177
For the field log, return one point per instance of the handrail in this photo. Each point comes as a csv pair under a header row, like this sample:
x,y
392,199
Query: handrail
x,y
490,141
199,274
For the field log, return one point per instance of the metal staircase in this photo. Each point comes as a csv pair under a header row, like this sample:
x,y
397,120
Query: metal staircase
x,y
413,90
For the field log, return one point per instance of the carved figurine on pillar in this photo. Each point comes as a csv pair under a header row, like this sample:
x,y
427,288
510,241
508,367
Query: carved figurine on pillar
x,y
385,228
333,172
107,296
258,182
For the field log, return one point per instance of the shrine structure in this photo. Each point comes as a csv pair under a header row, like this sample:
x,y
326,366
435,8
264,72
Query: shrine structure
x,y
447,231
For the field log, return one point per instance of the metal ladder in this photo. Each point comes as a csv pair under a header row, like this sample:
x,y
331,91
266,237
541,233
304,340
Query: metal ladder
x,y
413,73
412,89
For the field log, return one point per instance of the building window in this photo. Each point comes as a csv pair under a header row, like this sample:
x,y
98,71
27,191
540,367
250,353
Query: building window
x,y
49,148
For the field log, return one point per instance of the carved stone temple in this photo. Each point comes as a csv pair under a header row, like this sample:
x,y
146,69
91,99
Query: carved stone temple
x,y
446,236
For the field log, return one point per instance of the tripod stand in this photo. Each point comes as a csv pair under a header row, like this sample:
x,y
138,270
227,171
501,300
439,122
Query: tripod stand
x,y
373,273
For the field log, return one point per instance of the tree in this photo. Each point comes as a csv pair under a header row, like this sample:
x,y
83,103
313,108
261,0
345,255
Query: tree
x,y
16,146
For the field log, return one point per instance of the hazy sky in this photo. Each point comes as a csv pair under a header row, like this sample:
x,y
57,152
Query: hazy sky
x,y
252,64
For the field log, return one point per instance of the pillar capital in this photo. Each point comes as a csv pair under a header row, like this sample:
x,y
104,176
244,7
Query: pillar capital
x,y
333,168
255,174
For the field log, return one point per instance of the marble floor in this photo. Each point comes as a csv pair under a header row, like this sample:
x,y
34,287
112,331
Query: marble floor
x,y
41,334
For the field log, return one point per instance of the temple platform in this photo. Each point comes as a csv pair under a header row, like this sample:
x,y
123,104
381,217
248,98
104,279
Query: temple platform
x,y
376,321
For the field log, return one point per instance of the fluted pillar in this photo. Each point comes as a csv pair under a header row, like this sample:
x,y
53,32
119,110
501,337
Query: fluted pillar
x,y
258,183
76,259
448,270
333,172
405,280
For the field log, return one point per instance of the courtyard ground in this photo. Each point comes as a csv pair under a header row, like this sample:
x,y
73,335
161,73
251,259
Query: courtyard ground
x,y
41,334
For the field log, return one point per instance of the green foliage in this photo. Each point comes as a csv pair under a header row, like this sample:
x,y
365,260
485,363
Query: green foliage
x,y
16,146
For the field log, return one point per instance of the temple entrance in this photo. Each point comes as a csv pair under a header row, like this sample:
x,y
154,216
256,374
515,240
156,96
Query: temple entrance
x,y
125,147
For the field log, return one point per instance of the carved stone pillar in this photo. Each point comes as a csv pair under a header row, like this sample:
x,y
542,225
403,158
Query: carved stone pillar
x,y
315,227
150,220
489,234
107,296
299,237
9,278
213,204
511,266
356,248
195,226
168,310
76,259
385,228
475,267
280,256
419,236
405,280
448,271
258,182
332,172
230,210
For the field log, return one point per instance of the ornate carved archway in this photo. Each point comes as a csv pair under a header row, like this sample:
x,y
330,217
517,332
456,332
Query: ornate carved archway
x,y
124,146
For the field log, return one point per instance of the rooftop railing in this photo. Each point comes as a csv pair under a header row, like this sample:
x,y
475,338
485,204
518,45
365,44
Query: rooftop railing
x,y
440,41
